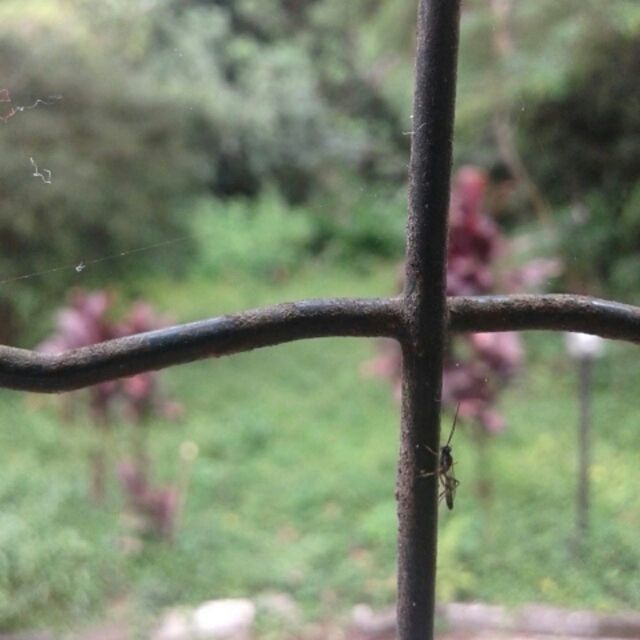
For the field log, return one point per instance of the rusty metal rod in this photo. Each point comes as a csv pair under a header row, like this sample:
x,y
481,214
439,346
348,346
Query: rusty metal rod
x,y
554,312
425,312
32,371
28,370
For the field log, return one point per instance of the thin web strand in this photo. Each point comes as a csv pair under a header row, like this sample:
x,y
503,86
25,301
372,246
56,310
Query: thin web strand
x,y
81,265
5,96
45,174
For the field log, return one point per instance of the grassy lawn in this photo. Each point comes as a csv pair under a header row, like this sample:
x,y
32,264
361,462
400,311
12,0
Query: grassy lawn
x,y
293,488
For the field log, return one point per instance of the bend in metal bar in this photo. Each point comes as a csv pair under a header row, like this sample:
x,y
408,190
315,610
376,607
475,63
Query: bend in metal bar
x,y
33,371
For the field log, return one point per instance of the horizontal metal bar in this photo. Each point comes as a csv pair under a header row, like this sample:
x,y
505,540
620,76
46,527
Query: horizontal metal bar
x,y
555,312
33,371
27,370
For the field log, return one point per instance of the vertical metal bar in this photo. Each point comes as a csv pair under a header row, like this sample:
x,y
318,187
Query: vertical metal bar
x,y
425,308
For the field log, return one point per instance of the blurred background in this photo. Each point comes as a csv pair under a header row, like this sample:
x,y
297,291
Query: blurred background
x,y
165,161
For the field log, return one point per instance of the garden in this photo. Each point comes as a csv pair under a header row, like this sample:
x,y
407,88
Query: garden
x,y
169,162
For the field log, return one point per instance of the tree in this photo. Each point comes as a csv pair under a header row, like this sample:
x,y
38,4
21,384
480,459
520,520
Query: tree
x,y
281,91
593,128
117,151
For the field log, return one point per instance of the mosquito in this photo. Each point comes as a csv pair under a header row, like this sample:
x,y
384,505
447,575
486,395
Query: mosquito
x,y
447,479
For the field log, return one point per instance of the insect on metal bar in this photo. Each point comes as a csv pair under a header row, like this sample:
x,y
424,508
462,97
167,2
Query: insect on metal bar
x,y
447,479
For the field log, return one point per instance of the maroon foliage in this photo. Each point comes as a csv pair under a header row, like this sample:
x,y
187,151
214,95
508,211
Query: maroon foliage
x,y
87,320
155,506
474,239
476,366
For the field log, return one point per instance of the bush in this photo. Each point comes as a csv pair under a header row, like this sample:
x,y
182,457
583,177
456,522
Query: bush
x,y
587,143
119,156
280,90
361,223
264,237
268,237
41,572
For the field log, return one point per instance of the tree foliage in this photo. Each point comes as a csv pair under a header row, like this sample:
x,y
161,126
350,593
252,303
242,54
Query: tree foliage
x,y
559,80
162,101
280,91
593,128
118,154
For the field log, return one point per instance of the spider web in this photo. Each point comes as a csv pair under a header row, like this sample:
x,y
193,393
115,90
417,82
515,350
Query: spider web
x,y
46,177
81,265
14,110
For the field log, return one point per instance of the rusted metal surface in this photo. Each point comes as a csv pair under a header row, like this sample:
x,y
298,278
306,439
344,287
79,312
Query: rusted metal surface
x,y
32,371
556,312
27,370
425,314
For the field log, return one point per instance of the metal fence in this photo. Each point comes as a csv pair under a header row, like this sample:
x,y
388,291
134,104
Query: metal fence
x,y
418,320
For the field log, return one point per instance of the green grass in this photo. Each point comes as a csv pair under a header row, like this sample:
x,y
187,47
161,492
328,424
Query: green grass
x,y
293,489
521,547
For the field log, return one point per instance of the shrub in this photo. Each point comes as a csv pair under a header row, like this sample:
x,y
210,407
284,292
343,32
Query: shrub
x,y
360,223
43,569
88,320
587,143
264,237
118,153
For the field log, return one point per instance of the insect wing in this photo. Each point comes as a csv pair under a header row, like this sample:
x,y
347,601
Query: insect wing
x,y
450,485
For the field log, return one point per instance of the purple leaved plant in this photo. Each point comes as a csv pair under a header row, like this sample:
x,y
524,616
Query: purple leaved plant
x,y
88,319
477,366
